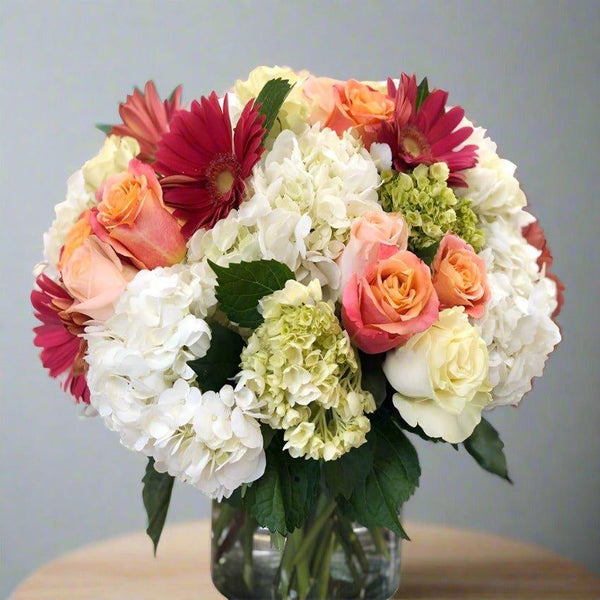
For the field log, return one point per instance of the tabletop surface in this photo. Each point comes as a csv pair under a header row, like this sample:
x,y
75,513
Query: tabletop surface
x,y
440,563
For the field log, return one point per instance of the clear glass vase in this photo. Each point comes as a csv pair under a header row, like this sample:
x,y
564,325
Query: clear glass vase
x,y
330,558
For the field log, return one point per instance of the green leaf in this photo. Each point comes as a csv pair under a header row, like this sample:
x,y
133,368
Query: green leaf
x,y
104,128
486,447
393,479
282,498
349,471
241,285
373,379
270,99
221,362
156,495
428,254
422,93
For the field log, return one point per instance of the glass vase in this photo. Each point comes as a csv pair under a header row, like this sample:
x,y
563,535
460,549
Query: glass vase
x,y
329,558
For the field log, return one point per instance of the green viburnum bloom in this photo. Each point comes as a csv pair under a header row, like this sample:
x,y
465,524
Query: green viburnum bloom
x,y
429,206
306,375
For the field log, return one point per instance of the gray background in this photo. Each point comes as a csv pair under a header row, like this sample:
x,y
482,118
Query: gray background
x,y
527,70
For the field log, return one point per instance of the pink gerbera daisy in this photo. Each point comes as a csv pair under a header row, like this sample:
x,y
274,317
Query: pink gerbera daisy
x,y
58,336
146,117
204,165
426,134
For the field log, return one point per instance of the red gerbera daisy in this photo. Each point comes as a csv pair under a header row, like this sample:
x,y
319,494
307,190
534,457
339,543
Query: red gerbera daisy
x,y
146,118
204,165
62,350
427,134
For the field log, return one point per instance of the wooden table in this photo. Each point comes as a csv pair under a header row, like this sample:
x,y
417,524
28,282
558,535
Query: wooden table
x,y
439,564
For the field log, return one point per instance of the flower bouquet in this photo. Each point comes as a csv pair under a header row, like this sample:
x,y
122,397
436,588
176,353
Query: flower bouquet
x,y
264,292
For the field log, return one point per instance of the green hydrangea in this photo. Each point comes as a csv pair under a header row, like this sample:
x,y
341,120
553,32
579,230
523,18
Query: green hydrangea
x,y
429,206
305,373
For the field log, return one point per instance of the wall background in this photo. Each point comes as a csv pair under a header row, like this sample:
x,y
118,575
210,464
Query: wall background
x,y
526,69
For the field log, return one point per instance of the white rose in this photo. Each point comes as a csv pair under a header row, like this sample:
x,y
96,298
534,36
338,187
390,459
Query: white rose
x,y
441,377
113,158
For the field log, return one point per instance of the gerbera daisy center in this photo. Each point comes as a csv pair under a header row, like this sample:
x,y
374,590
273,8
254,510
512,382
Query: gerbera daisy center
x,y
413,142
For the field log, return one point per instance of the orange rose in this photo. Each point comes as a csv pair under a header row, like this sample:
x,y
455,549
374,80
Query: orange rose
x,y
133,219
359,106
76,236
350,105
95,277
460,277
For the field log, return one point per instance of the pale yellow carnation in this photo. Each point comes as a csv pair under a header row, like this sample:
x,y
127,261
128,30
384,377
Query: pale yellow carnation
x,y
113,158
441,377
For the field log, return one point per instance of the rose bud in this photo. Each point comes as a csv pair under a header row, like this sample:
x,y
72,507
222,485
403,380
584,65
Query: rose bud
x,y
133,219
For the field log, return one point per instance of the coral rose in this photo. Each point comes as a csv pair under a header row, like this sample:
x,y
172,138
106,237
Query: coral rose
x,y
95,277
133,219
368,232
359,106
390,302
460,277
350,105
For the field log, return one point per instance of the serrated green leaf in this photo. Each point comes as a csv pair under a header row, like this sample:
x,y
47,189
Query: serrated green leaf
x,y
422,93
241,285
343,475
282,498
486,447
270,100
221,362
373,378
156,495
393,479
104,128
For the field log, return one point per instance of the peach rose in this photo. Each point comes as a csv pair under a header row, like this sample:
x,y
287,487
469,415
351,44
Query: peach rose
x,y
460,277
75,237
318,91
352,104
133,219
390,302
367,234
95,277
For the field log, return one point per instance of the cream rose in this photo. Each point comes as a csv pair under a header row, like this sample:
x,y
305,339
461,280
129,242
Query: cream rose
x,y
113,158
441,377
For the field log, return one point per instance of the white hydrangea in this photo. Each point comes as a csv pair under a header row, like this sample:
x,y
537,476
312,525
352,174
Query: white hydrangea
x,y
67,212
517,326
142,386
492,186
303,198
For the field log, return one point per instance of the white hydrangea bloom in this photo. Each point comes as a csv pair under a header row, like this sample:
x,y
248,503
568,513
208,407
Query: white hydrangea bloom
x,y
517,327
142,386
303,199
67,212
